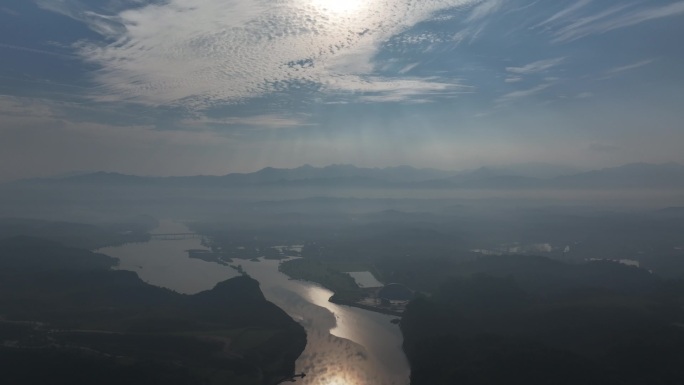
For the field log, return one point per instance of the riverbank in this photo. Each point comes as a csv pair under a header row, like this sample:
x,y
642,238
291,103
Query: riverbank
x,y
365,307
346,344
227,334
345,290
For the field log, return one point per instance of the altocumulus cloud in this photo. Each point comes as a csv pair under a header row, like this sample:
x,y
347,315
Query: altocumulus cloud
x,y
201,53
241,84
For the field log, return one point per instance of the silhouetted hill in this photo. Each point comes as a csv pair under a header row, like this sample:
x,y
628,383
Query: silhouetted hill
x,y
304,175
102,177
545,277
532,320
80,235
501,182
23,252
65,309
633,176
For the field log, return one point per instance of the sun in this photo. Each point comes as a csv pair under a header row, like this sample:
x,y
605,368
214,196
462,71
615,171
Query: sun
x,y
340,6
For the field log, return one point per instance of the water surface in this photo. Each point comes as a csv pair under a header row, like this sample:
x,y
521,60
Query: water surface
x,y
345,345
165,262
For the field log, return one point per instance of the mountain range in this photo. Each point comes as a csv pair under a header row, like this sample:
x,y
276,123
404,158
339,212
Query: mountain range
x,y
629,176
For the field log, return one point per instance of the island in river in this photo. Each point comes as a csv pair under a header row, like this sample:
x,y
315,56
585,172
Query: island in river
x,y
345,288
68,318
495,319
345,345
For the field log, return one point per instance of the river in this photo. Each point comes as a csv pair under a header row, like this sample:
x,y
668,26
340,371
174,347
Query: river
x,y
345,345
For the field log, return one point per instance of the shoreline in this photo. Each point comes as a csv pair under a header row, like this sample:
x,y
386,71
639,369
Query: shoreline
x,y
343,302
364,307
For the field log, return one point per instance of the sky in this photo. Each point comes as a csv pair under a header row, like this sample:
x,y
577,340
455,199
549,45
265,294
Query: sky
x,y
184,87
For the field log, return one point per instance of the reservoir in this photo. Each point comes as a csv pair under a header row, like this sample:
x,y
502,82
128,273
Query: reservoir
x,y
345,345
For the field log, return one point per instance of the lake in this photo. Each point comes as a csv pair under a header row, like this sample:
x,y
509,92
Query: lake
x,y
346,345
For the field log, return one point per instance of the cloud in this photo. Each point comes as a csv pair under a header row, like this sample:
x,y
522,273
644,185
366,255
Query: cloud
x,y
38,139
408,68
484,9
9,11
535,67
59,105
424,38
22,107
379,89
107,26
258,121
524,93
629,67
207,52
39,51
565,12
616,17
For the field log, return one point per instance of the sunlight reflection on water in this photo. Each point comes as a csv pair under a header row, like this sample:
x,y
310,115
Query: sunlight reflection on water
x,y
345,345
166,263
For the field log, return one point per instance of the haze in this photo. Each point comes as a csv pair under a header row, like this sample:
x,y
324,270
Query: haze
x,y
213,87
356,192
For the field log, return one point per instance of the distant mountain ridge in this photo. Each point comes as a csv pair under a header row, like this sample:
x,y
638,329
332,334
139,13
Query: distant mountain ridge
x,y
306,173
645,175
634,175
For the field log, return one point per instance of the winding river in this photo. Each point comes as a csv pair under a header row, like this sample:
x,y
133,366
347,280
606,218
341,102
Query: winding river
x,y
346,345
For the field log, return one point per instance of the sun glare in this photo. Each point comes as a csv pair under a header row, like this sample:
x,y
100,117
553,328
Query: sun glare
x,y
340,6
337,380
336,374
